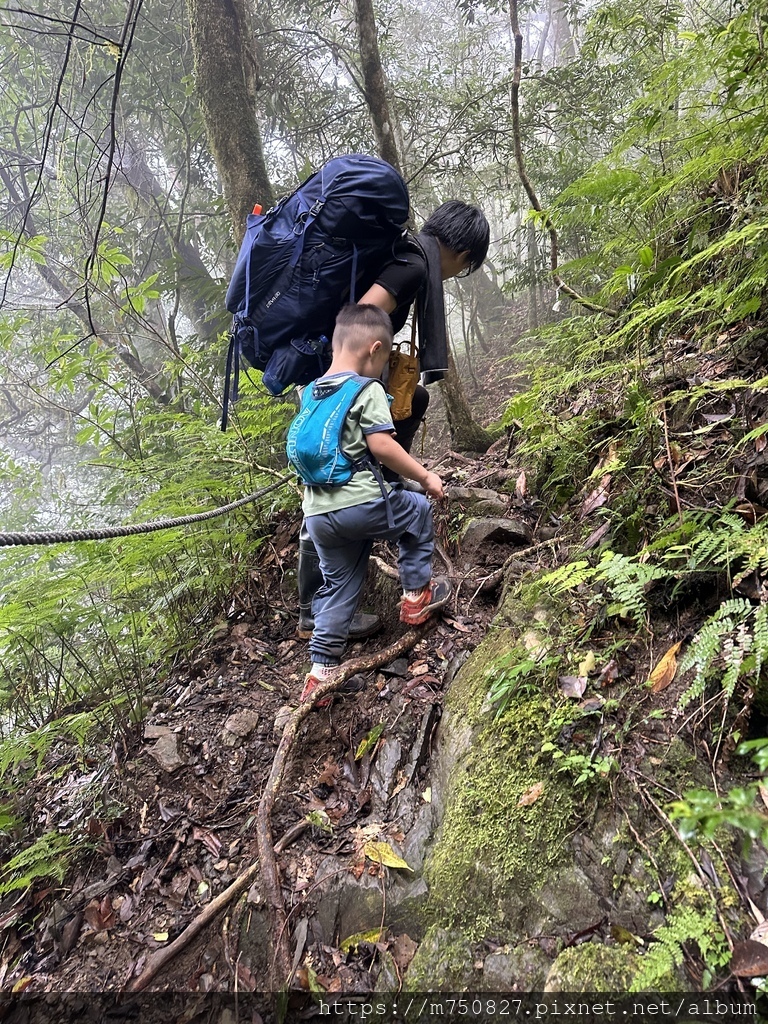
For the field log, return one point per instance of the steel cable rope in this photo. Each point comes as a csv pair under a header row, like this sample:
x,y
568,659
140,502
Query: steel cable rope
x,y
69,536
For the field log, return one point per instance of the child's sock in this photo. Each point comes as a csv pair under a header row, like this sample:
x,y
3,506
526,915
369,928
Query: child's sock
x,y
323,671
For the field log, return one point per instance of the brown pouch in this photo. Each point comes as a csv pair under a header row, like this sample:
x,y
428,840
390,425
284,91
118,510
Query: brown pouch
x,y
403,375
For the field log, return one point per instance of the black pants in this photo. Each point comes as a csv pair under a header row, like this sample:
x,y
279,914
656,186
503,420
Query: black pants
x,y
407,429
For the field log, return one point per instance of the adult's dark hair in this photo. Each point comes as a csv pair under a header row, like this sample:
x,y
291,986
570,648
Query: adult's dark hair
x,y
357,320
461,228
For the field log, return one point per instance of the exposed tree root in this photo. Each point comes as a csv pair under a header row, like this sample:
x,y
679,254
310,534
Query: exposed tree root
x,y
266,865
281,961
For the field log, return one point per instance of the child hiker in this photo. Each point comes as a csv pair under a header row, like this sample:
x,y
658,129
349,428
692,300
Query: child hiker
x,y
342,433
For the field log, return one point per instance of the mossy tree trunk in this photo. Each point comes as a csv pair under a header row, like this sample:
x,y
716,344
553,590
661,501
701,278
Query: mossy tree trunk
x,y
226,81
466,434
374,83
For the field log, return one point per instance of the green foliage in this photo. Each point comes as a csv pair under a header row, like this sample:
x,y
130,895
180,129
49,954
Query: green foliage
x,y
90,623
626,580
685,924
49,857
701,813
519,674
583,768
732,643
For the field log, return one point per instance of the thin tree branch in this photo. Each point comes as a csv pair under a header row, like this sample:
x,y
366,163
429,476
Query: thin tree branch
x,y
525,180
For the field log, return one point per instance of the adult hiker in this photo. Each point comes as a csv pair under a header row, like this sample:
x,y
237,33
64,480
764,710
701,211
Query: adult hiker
x,y
452,243
341,435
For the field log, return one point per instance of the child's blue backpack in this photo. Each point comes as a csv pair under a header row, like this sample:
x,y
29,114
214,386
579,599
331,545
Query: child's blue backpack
x,y
314,436
299,263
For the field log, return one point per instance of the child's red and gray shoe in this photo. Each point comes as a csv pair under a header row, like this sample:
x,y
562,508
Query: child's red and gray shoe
x,y
416,610
311,683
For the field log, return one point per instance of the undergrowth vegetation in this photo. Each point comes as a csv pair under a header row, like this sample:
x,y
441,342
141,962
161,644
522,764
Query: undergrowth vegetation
x,y
88,629
644,429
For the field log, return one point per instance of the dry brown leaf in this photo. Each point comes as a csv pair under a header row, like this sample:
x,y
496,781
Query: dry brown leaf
x,y
403,950
572,686
749,959
598,497
664,672
530,796
521,485
100,915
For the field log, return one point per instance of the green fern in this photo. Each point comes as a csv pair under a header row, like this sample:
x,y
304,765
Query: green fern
x,y
731,645
665,955
48,857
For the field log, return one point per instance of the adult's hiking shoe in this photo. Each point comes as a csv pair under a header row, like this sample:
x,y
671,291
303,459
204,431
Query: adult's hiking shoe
x,y
416,610
361,626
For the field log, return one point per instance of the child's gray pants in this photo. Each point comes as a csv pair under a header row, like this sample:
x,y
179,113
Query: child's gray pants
x,y
344,540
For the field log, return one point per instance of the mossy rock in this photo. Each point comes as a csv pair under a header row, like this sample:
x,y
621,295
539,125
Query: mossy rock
x,y
593,967
498,842
443,963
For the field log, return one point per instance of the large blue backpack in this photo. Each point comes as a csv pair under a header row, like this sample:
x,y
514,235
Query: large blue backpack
x,y
300,261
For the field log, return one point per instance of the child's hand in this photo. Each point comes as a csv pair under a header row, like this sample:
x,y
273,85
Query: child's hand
x,y
433,485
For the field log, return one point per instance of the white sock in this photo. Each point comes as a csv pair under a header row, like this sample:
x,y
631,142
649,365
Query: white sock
x,y
414,594
323,671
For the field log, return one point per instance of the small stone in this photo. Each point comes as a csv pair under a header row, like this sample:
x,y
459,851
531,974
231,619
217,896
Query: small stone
x,y
281,720
166,752
238,727
154,731
221,865
398,667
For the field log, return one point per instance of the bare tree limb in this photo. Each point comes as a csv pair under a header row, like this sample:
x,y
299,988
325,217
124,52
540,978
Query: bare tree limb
x,y
525,180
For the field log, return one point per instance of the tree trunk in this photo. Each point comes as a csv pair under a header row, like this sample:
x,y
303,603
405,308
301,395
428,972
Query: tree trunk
x,y
466,435
533,305
225,83
375,83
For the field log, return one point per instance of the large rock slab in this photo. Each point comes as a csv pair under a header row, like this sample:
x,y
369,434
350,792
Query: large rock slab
x,y
494,529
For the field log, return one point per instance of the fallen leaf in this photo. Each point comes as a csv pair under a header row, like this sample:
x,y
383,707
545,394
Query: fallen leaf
x,y
370,741
621,934
591,704
665,671
572,686
530,796
426,796
609,674
521,485
596,536
750,959
160,936
457,625
760,934
403,950
382,853
588,664
597,498
22,984
208,839
100,915
375,935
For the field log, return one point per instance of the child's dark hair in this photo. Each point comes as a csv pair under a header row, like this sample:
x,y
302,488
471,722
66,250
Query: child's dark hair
x,y
358,321
461,228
